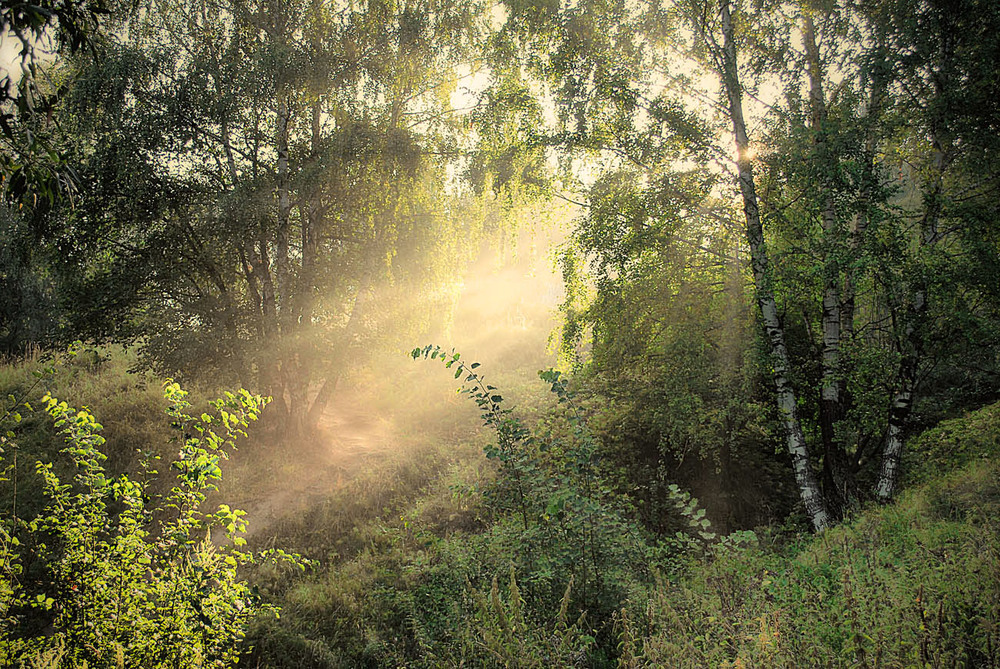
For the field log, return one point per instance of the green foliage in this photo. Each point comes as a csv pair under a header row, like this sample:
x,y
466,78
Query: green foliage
x,y
909,585
29,304
413,584
131,410
264,191
112,574
560,520
34,165
570,524
953,444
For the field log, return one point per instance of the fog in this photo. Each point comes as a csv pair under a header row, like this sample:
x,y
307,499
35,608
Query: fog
x,y
391,409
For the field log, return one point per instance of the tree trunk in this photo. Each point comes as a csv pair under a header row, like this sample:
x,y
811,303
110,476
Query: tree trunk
x,y
299,348
912,340
269,367
281,259
899,412
856,234
322,399
311,214
354,325
797,448
837,473
284,359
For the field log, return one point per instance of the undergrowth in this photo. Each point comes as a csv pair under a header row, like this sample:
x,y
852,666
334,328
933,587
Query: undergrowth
x,y
131,408
916,583
506,548
113,571
553,553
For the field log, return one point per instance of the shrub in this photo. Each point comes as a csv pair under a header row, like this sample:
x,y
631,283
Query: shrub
x,y
110,574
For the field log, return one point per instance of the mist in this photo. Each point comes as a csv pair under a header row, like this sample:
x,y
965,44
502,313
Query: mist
x,y
706,364
389,409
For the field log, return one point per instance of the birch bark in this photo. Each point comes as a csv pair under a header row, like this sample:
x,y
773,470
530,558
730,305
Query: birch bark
x,y
809,490
837,473
911,344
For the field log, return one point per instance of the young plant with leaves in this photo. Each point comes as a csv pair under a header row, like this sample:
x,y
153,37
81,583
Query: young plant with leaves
x,y
559,518
109,575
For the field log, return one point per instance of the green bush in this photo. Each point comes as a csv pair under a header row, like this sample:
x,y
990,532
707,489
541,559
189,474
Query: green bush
x,y
111,574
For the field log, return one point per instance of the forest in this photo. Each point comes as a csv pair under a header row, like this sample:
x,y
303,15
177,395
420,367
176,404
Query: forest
x,y
517,333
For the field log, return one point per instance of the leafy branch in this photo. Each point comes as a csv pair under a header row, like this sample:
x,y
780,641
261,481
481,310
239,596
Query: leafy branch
x,y
511,433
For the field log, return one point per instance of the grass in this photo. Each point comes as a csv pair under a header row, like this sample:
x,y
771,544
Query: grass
x,y
413,569
914,584
952,444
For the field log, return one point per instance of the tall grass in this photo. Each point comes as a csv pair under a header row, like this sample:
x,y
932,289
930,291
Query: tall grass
x,y
915,584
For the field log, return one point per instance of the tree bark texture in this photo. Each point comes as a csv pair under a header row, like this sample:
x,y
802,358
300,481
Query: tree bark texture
x,y
911,343
809,490
838,476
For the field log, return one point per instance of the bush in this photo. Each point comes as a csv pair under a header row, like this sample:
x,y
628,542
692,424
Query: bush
x,y
110,574
535,579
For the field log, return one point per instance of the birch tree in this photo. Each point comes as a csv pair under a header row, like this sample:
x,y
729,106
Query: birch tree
x,y
724,54
843,190
945,91
294,152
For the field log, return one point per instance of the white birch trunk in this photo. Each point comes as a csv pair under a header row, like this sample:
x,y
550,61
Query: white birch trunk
x,y
930,235
892,450
830,391
797,447
838,475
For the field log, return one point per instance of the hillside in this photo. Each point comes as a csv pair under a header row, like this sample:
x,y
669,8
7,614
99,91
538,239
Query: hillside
x,y
414,569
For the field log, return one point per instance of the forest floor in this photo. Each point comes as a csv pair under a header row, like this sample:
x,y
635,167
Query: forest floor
x,y
400,413
350,436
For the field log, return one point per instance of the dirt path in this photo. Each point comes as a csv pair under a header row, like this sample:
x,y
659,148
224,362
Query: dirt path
x,y
350,436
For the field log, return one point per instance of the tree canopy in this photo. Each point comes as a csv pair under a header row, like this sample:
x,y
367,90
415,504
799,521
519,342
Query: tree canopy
x,y
786,229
